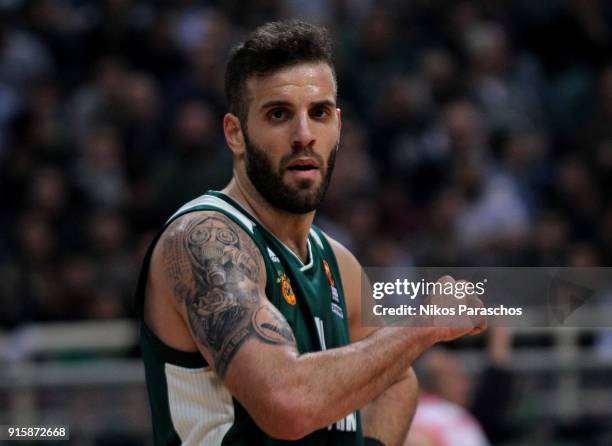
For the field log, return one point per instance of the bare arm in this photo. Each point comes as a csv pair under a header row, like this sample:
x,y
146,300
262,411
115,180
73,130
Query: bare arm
x,y
217,277
388,416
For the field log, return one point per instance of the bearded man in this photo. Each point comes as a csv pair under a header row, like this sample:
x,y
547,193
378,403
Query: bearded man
x,y
250,315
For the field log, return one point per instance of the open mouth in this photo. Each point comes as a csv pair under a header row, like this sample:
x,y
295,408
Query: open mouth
x,y
303,167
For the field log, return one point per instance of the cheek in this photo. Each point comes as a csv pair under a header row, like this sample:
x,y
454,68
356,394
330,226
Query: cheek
x,y
266,157
329,135
271,144
274,151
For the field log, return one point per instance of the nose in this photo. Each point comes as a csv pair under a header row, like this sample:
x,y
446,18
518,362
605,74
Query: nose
x,y
303,135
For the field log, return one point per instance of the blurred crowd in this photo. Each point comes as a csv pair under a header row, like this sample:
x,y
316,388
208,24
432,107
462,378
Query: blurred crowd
x,y
475,133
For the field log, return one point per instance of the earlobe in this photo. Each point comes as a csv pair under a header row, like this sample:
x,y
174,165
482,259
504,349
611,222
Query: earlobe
x,y
233,133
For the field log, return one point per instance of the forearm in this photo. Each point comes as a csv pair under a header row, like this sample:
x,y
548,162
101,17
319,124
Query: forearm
x,y
388,417
331,384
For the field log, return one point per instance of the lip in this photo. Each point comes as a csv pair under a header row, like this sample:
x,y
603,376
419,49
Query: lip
x,y
303,161
304,175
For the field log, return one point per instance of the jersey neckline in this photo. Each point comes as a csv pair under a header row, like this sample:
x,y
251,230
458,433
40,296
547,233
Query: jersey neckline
x,y
303,266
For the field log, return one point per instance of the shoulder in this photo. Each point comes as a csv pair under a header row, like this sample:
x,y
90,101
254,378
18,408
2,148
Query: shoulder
x,y
192,223
194,250
205,227
200,238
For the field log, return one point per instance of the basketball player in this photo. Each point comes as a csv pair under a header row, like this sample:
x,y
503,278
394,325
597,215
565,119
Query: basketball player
x,y
251,315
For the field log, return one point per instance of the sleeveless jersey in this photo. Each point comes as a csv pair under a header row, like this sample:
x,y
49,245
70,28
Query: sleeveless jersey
x,y
189,403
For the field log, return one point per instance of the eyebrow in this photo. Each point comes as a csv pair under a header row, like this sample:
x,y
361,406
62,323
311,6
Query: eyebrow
x,y
283,103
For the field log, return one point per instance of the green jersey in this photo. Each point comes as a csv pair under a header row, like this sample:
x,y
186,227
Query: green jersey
x,y
189,403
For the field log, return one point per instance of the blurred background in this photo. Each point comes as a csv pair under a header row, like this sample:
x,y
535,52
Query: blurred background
x,y
475,133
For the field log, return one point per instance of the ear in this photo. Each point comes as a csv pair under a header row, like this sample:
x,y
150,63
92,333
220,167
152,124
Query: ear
x,y
339,114
233,134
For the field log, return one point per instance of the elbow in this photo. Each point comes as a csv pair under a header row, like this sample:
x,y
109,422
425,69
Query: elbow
x,y
287,416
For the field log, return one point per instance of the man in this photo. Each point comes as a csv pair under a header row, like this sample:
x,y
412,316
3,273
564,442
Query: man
x,y
251,315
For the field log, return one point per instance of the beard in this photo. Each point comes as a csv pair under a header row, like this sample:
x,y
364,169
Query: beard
x,y
269,182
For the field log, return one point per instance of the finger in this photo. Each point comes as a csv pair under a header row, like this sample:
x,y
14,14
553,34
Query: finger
x,y
482,326
446,279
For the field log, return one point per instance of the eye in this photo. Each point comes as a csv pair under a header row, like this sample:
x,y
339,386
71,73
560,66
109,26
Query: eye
x,y
320,113
277,114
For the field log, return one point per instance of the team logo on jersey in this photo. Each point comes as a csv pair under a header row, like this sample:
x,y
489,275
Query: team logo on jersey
x,y
286,289
328,273
336,309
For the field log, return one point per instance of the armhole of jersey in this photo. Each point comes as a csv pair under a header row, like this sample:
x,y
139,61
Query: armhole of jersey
x,y
141,286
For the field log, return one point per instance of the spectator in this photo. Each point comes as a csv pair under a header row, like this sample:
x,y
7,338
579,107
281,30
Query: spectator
x,y
441,418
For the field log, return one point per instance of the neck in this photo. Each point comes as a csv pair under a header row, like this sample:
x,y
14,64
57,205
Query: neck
x,y
291,229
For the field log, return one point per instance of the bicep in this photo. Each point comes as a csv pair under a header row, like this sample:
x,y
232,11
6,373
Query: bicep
x,y
218,280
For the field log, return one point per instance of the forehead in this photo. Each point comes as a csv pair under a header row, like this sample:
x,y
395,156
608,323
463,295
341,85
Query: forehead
x,y
312,81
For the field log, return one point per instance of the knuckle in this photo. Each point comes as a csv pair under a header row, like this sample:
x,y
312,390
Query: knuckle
x,y
446,279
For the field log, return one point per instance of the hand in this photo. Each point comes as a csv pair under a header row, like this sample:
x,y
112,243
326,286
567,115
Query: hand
x,y
449,321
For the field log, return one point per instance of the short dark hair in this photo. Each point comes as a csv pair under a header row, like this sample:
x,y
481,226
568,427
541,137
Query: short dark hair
x,y
269,48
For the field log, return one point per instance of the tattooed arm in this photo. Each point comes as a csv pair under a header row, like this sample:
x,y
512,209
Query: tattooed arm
x,y
216,277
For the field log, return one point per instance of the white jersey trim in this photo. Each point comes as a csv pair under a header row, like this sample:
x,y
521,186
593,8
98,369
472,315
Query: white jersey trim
x,y
201,407
310,259
316,237
216,202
